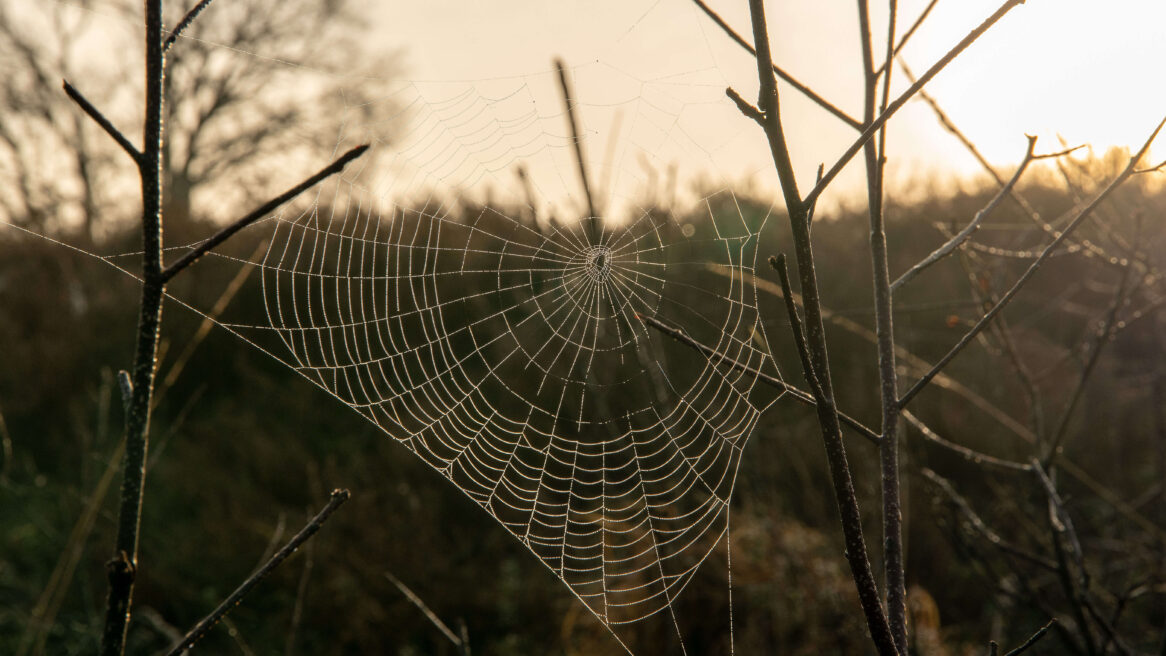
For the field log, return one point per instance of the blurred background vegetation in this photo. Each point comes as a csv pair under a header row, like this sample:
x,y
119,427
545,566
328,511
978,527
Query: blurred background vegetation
x,y
243,449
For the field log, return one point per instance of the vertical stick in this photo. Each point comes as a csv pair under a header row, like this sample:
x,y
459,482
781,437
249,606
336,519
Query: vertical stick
x,y
594,223
874,155
769,116
123,567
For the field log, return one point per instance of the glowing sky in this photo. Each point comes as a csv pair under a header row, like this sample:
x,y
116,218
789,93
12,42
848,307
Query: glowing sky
x,y
653,73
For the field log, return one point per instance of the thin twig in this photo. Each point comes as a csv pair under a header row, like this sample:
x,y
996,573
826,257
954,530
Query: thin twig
x,y
907,35
1062,529
424,608
874,126
945,381
200,630
1021,202
814,205
786,77
1103,337
593,221
956,241
964,452
981,527
1033,639
679,335
1032,269
184,23
301,595
778,264
874,155
1004,332
841,479
104,122
1059,517
263,210
745,106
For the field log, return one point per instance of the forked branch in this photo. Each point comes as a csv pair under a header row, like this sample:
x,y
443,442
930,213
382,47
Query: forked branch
x,y
963,235
1082,214
849,514
786,77
874,126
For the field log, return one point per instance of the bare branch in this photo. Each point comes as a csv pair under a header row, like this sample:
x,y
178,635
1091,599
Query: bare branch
x,y
907,36
184,23
122,569
956,241
1032,269
1153,169
841,479
679,335
898,103
786,77
982,528
1032,640
1024,205
104,122
200,630
263,210
874,154
944,381
964,452
1059,517
429,614
745,106
593,221
1102,338
778,264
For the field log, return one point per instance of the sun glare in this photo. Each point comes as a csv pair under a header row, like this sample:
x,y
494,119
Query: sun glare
x,y
1050,69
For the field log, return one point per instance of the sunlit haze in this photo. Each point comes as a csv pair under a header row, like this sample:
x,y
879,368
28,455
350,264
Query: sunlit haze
x,y
654,72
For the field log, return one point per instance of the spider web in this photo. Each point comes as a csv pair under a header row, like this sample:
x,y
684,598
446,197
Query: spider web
x,y
450,288
510,357
437,289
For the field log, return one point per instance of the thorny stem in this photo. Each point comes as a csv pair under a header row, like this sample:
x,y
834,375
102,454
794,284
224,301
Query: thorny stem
x,y
849,514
